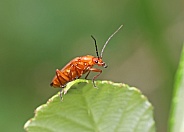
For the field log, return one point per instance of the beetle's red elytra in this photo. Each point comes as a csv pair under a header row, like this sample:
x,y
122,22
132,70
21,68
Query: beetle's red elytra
x,y
79,66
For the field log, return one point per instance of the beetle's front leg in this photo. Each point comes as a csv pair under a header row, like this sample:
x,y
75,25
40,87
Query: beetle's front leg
x,y
95,70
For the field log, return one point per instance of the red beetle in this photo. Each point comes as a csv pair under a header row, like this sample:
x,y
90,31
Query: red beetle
x,y
79,66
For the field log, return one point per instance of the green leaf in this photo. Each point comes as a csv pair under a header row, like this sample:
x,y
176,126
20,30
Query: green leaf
x,y
111,107
177,108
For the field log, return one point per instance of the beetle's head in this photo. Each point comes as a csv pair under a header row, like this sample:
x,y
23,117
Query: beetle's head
x,y
98,61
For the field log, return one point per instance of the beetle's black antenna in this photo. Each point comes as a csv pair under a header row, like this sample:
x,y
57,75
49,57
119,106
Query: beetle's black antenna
x,y
95,46
109,39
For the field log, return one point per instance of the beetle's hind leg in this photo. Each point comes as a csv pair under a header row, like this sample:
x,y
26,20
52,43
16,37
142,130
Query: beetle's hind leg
x,y
61,92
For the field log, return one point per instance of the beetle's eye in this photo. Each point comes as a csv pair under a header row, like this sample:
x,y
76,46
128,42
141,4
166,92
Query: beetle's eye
x,y
96,61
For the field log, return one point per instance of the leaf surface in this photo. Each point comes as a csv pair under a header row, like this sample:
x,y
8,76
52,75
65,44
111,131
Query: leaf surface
x,y
111,107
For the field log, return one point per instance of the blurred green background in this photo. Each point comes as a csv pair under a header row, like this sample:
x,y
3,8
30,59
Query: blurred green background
x,y
37,37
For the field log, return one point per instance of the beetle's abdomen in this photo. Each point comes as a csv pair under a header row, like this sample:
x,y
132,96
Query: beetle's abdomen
x,y
73,70
61,79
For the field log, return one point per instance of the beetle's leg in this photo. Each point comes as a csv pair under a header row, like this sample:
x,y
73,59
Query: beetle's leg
x,y
57,74
87,74
95,70
60,76
61,92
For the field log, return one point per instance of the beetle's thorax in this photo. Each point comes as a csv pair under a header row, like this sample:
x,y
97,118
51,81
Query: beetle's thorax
x,y
92,60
